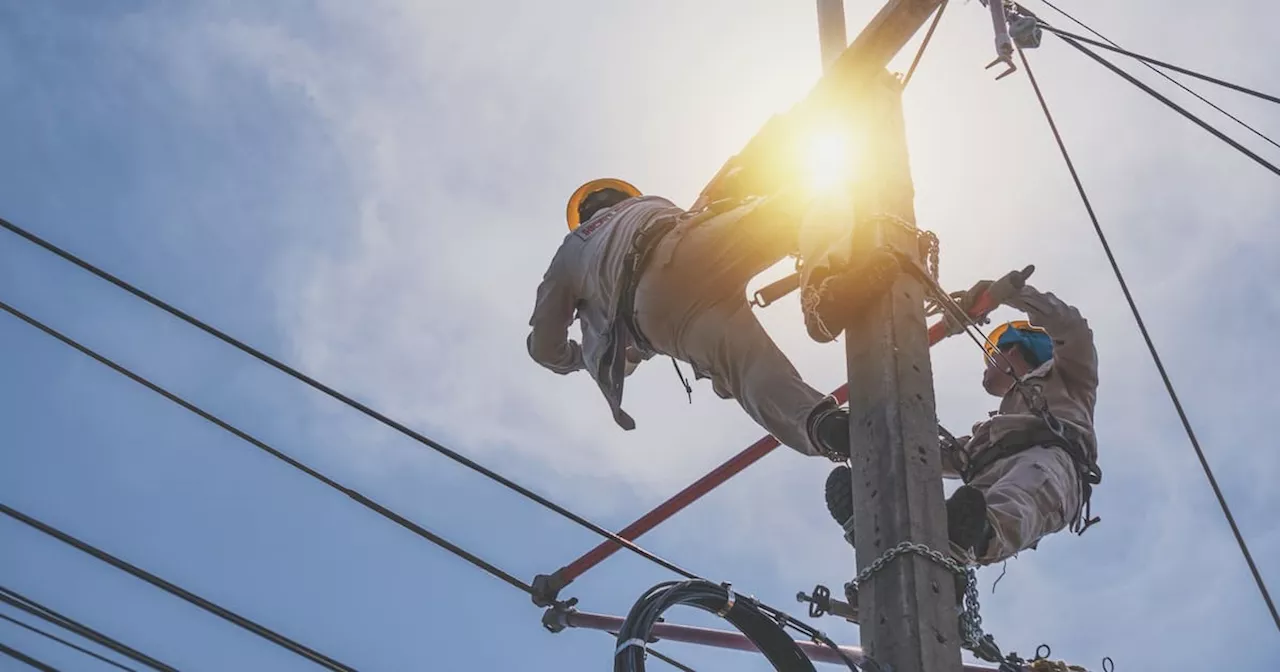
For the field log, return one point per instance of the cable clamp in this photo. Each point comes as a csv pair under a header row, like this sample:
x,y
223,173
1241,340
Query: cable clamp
x,y
729,601
635,641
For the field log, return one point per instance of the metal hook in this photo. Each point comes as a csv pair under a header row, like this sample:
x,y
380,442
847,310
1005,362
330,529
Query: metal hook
x,y
1007,60
1108,665
1047,651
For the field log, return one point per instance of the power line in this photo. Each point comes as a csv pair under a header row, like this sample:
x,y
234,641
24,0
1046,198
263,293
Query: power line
x,y
14,599
68,644
1172,105
1169,66
221,612
222,424
1146,336
238,433
24,658
335,394
1163,74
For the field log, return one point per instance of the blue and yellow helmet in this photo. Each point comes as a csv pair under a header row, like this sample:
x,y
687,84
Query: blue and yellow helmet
x,y
1035,342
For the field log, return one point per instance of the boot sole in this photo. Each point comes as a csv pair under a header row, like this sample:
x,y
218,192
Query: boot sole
x,y
839,494
849,293
967,518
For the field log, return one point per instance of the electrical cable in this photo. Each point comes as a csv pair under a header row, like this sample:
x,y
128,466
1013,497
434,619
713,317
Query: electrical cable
x,y
666,659
66,643
42,612
494,571
339,396
1146,337
741,611
24,658
221,612
1160,72
238,433
1169,66
924,44
1172,105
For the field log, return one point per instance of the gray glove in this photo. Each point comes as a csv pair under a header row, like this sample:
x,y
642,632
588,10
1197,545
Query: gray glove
x,y
996,293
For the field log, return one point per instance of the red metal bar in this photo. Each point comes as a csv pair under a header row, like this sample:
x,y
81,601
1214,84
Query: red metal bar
x,y
677,502
723,639
732,467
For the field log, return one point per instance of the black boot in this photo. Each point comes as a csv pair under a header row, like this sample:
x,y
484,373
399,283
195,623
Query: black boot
x,y
828,429
967,524
839,492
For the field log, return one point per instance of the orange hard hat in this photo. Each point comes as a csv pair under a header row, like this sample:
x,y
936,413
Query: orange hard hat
x,y
571,211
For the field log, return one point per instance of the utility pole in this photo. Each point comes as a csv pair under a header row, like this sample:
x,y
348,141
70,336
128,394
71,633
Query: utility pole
x,y
907,610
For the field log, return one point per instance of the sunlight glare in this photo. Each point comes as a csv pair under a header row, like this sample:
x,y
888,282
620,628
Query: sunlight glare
x,y
829,159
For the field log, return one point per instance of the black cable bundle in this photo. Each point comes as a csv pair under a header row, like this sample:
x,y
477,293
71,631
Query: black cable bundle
x,y
744,613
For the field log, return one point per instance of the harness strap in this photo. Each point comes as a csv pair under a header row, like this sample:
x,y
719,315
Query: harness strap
x,y
1088,474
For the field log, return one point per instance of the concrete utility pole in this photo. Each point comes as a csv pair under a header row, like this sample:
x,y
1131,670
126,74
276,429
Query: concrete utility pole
x,y
907,610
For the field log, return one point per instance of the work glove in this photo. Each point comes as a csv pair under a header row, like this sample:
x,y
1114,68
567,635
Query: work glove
x,y
987,294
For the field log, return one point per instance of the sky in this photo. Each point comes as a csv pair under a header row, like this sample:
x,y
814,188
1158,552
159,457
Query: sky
x,y
371,191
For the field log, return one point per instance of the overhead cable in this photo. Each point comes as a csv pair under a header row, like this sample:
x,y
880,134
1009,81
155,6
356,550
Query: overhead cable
x,y
1151,348
25,659
18,601
475,560
335,394
219,611
1172,105
70,645
1163,74
1168,66
1166,75
248,438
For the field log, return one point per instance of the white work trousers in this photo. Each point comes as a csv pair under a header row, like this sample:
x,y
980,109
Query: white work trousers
x,y
1030,495
691,304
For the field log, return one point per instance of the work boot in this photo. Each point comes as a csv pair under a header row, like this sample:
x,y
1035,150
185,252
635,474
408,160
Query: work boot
x,y
967,524
828,429
839,491
833,297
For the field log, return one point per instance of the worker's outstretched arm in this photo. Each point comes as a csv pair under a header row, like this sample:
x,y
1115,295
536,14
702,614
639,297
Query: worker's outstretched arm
x,y
549,343
1073,349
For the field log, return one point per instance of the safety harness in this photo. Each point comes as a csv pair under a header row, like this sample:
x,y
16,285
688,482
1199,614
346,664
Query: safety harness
x,y
1052,433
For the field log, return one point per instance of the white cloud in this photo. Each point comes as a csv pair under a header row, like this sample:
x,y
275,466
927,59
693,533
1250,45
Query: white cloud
x,y
463,134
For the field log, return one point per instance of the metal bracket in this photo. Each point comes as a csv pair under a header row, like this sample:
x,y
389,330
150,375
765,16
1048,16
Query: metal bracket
x,y
821,604
546,588
1004,43
554,619
1025,31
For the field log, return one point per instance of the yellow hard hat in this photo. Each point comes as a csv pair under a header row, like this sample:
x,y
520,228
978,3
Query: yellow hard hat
x,y
993,339
571,211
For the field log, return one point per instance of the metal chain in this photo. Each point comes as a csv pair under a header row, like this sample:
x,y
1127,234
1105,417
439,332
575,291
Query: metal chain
x,y
971,635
